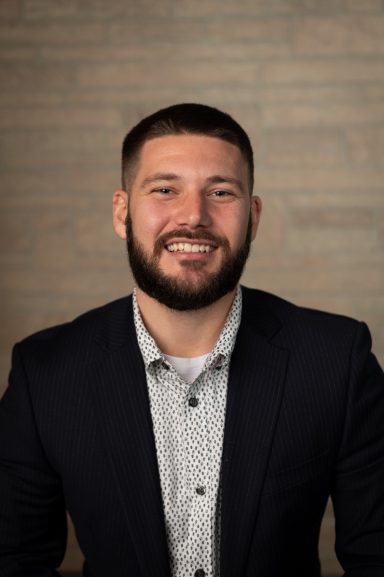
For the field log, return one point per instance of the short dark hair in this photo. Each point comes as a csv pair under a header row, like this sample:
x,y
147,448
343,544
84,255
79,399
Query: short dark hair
x,y
186,118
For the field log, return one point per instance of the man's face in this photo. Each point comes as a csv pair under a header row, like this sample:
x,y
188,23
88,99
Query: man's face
x,y
189,219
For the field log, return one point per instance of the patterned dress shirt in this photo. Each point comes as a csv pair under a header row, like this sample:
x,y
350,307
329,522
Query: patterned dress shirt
x,y
188,422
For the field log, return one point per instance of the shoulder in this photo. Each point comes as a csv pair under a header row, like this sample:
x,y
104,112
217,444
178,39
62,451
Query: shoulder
x,y
80,334
297,322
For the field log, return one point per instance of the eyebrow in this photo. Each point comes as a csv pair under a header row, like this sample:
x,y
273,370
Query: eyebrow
x,y
218,178
170,176
160,176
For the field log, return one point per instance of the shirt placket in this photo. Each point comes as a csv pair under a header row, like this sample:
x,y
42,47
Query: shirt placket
x,y
197,454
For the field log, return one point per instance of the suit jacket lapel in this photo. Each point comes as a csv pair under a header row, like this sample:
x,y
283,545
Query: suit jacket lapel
x,y
119,391
255,388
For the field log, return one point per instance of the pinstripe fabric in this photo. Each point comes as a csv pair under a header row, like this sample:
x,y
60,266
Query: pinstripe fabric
x,y
305,418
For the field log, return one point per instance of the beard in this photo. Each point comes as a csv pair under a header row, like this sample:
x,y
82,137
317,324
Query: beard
x,y
183,294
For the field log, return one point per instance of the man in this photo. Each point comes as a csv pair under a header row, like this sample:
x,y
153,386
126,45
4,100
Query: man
x,y
195,428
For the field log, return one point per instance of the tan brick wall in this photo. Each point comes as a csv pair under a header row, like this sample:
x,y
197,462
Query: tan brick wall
x,y
306,77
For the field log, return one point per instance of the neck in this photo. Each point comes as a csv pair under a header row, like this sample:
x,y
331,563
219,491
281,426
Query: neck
x,y
184,333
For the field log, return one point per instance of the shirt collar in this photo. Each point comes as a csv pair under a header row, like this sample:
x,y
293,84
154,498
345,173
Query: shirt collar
x,y
222,350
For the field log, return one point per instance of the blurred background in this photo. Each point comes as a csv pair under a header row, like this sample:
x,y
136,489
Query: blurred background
x,y
304,77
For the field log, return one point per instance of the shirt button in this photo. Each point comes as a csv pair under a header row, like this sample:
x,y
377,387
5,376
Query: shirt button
x,y
219,367
193,402
200,490
200,573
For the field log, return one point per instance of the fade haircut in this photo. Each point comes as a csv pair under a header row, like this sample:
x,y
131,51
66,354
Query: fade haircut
x,y
187,118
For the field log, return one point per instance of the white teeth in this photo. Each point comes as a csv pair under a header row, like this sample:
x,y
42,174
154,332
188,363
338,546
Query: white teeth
x,y
188,247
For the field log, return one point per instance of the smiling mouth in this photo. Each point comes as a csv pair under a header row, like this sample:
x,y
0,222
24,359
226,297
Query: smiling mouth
x,y
188,247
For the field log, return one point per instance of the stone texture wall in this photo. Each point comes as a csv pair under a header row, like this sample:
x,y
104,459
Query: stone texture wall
x,y
305,77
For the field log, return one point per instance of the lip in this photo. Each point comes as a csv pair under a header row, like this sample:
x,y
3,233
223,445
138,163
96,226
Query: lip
x,y
193,256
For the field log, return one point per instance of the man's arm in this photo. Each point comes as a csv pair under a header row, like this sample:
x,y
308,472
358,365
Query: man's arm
x,y
32,510
358,488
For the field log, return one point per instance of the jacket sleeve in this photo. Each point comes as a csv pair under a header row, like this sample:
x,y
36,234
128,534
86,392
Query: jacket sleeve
x,y
33,528
358,485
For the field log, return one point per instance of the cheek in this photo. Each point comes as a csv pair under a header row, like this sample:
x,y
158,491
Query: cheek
x,y
236,230
148,224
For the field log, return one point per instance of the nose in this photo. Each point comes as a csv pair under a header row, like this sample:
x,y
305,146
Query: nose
x,y
193,210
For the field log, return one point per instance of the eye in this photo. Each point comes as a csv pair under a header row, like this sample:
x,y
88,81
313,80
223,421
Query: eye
x,y
163,190
221,193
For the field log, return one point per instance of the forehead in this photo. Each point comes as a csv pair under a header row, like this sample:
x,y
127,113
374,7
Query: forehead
x,y
190,151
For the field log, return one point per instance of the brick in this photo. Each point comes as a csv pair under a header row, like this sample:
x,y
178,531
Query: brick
x,y
323,6
295,115
360,261
344,218
72,187
315,179
339,35
32,99
236,29
94,236
366,146
120,9
335,240
19,76
58,141
380,216
10,9
15,236
49,9
86,9
270,237
164,51
15,54
34,33
320,198
364,5
190,8
262,258
50,282
292,284
319,95
303,148
139,96
48,118
322,71
248,29
52,243
46,149
196,74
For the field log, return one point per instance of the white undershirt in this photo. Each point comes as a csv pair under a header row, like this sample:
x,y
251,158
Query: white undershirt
x,y
188,368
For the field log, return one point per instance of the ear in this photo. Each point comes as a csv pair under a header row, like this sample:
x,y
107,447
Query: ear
x,y
119,212
256,207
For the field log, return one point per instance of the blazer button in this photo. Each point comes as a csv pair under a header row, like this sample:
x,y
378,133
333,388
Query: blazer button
x,y
200,490
200,573
193,402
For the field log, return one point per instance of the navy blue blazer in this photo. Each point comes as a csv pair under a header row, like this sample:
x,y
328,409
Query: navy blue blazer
x,y
304,420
